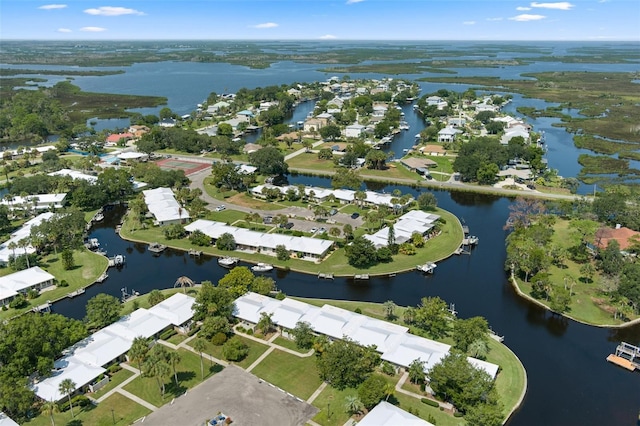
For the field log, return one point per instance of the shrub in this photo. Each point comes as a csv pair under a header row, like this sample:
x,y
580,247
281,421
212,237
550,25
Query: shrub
x,y
280,295
430,402
235,350
167,334
112,369
18,302
358,311
32,293
77,401
388,369
458,414
219,339
250,332
63,283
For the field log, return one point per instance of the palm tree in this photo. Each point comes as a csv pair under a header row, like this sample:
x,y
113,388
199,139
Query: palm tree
x,y
389,390
266,323
352,404
174,358
360,196
24,243
159,369
12,246
50,407
478,349
184,282
200,345
139,350
67,387
389,308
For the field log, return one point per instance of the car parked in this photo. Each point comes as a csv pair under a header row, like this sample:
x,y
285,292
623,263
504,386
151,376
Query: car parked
x,y
355,215
322,230
220,208
313,230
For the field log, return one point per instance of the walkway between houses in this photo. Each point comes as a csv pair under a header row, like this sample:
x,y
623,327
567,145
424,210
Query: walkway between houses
x,y
137,399
135,375
274,345
403,379
260,358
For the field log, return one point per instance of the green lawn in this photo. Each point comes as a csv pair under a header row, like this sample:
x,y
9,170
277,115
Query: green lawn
x,y
255,350
117,406
289,344
294,374
188,370
114,381
89,266
310,161
331,403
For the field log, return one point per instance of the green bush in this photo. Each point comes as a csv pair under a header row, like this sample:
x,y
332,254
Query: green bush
x,y
77,401
167,334
193,331
430,402
63,283
458,414
112,369
219,339
250,332
358,311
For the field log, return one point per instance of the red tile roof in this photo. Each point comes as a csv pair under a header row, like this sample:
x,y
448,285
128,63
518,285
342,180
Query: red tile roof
x,y
621,235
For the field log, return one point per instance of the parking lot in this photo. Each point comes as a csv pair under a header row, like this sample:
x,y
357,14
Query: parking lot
x,y
240,395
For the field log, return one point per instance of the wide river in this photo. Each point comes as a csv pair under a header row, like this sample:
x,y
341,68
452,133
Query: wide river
x,y
569,380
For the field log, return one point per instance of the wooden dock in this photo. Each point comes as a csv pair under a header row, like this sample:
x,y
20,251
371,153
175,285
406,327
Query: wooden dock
x,y
361,277
322,276
627,356
621,362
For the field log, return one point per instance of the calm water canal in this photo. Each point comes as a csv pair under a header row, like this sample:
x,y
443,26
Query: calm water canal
x,y
570,383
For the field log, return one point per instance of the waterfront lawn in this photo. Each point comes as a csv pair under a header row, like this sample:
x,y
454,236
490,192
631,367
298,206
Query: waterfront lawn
x,y
292,373
512,377
392,172
255,350
117,378
310,161
89,266
188,376
243,199
289,344
117,406
142,301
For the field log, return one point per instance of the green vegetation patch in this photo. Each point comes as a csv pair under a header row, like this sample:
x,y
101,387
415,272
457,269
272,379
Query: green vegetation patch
x,y
255,350
117,378
602,146
390,68
294,374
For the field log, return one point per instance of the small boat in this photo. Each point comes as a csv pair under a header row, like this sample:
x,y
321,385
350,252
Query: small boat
x,y
262,267
196,253
73,294
427,268
361,277
102,277
405,150
228,261
117,260
118,228
92,244
157,247
98,217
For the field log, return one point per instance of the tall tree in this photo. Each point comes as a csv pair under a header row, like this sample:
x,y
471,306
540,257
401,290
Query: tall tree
x,y
102,310
433,316
200,345
67,387
139,351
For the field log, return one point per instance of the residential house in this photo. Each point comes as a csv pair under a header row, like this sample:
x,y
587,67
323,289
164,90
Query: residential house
x,y
35,202
168,122
448,134
624,236
354,130
21,234
21,282
162,204
386,414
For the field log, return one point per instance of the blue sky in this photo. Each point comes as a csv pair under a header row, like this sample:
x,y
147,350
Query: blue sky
x,y
320,19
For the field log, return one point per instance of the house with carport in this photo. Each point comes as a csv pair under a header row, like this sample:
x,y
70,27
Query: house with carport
x,y
21,282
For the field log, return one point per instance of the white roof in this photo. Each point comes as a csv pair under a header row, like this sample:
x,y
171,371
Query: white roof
x,y
245,237
24,279
392,340
163,205
38,198
74,175
246,169
132,155
67,368
6,420
410,222
85,359
385,414
449,131
21,233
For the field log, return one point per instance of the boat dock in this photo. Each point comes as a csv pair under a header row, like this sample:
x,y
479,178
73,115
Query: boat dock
x,y
45,308
196,253
102,277
73,294
117,260
361,277
627,356
322,276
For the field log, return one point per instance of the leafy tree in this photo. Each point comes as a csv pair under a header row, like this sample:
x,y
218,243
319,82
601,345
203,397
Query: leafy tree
x,y
427,201
269,161
560,299
629,286
361,253
384,254
466,331
226,175
416,371
485,415
102,310
346,364
464,385
157,366
346,178
213,300
303,335
372,391
330,132
263,285
265,324
214,325
199,238
376,159
67,387
67,259
347,230
237,281
282,253
352,404
225,129
234,349
433,316
487,173
611,259
479,348
226,242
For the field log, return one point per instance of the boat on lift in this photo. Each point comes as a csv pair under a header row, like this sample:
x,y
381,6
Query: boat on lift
x,y
228,261
427,268
262,267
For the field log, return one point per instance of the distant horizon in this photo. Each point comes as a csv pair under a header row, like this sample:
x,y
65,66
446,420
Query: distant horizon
x,y
321,40
315,20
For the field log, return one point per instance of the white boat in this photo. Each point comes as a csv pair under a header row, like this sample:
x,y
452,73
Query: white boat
x,y
405,150
227,261
427,268
156,247
98,217
117,260
262,267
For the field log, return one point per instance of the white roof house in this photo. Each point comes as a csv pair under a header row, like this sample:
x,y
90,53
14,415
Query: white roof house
x,y
37,201
23,281
393,341
448,134
23,232
139,156
84,360
409,223
354,130
309,248
385,414
163,205
75,175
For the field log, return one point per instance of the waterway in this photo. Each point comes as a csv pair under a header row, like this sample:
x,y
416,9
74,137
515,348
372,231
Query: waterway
x,y
570,383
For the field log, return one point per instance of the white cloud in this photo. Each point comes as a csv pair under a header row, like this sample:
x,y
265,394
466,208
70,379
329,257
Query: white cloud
x,y
112,11
526,17
494,19
52,6
328,37
469,23
265,25
93,29
562,5
64,30
522,8
354,1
